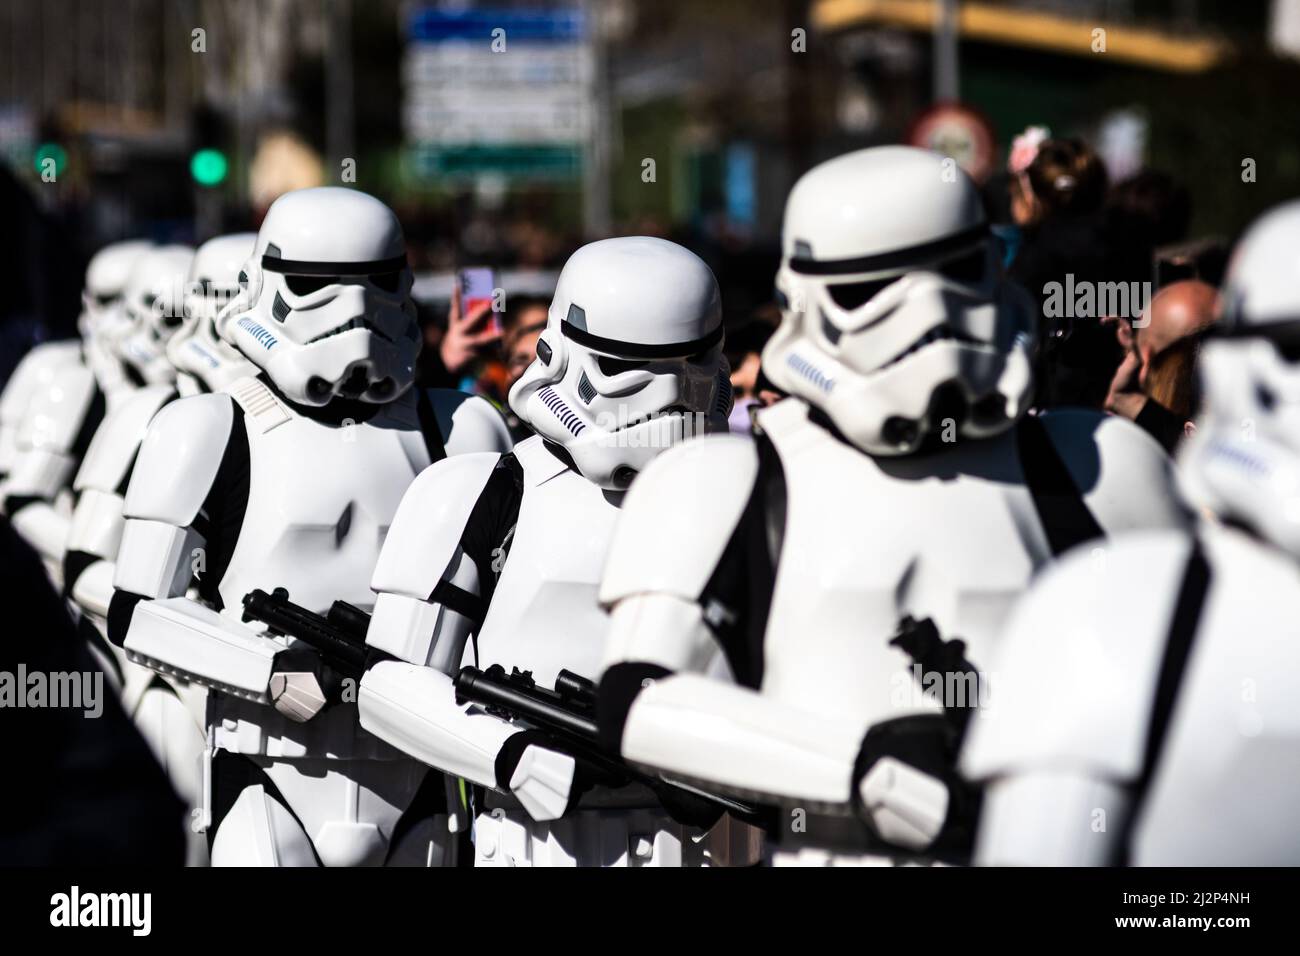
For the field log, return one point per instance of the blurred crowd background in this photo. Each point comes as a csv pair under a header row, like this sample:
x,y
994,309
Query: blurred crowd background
x,y
507,133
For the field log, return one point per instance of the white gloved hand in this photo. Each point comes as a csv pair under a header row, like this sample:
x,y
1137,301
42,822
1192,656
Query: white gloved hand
x,y
542,782
904,805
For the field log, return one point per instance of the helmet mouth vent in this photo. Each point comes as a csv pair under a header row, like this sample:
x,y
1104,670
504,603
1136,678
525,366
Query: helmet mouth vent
x,y
948,407
356,383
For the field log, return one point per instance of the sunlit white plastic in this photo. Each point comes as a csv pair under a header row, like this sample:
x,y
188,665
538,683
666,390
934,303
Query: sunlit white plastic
x,y
645,293
196,349
348,333
953,537
321,499
153,306
926,335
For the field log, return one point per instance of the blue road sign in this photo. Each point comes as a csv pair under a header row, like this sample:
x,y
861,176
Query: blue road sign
x,y
427,25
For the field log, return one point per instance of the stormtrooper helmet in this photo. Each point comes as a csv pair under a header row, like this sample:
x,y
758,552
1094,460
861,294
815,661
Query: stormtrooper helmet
x,y
213,282
630,362
153,309
324,307
106,277
1243,462
896,323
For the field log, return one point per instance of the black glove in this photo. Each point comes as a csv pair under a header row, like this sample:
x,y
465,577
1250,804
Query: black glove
x,y
929,743
590,770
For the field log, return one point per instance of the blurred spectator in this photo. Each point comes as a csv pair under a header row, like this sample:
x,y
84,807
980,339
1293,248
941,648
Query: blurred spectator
x,y
533,244
1065,181
522,325
469,334
1156,383
1205,259
744,350
450,351
1144,212
1057,202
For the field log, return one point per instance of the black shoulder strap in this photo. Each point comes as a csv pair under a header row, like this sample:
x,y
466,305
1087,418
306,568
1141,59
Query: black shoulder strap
x,y
221,516
509,464
1064,515
736,600
486,540
429,428
772,489
738,597
1173,663
94,416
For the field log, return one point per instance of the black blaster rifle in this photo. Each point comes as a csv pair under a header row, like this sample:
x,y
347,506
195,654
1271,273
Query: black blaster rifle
x,y
339,637
921,641
568,713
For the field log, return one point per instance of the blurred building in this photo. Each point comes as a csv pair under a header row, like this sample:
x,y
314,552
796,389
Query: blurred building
x,y
126,94
688,118
1187,86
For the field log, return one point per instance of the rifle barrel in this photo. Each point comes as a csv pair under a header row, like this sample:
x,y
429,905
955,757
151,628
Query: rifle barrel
x,y
299,623
474,685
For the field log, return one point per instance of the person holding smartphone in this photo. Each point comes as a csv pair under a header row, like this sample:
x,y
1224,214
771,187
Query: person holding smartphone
x,y
473,327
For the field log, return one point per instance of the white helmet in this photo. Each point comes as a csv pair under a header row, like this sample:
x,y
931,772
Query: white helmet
x,y
325,307
106,277
213,282
153,308
1243,462
896,323
631,360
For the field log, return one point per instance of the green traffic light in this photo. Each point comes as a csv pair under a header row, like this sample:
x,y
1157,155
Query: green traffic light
x,y
208,167
48,151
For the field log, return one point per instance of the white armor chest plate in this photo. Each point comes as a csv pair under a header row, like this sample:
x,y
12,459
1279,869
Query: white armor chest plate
x,y
953,537
1226,791
320,500
544,614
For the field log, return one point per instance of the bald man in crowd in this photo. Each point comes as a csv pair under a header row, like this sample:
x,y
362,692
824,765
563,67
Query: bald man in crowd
x,y
1155,385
